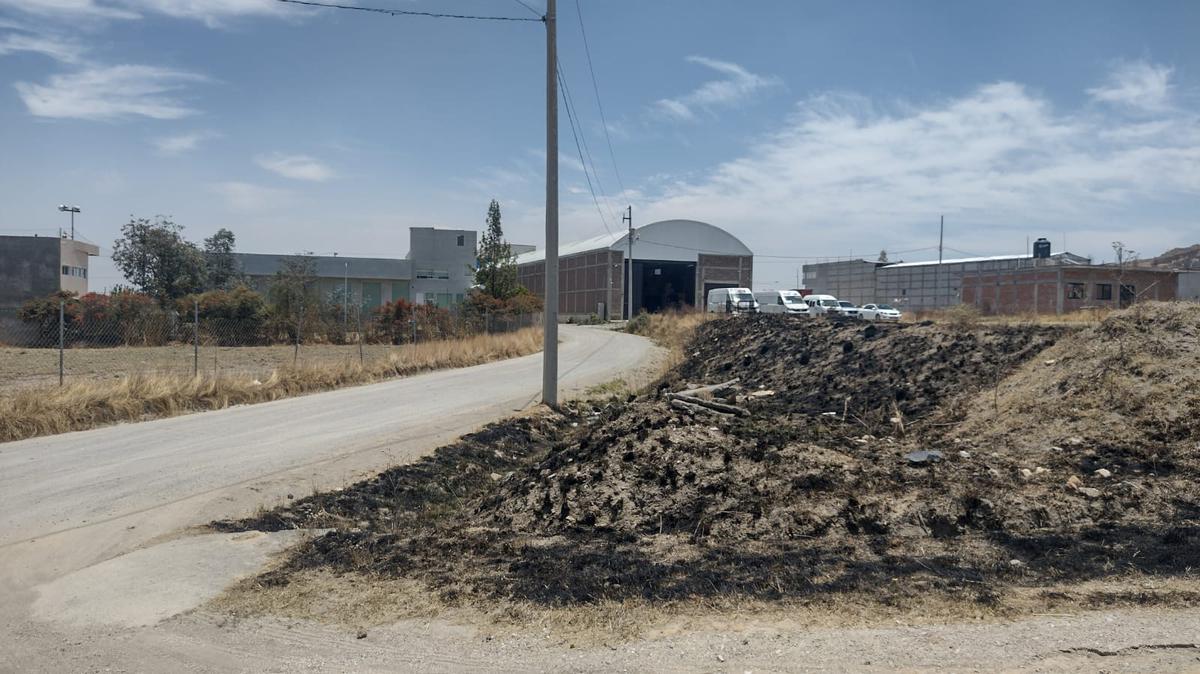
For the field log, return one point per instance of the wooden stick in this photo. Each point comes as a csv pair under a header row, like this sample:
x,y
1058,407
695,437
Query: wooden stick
x,y
699,390
710,404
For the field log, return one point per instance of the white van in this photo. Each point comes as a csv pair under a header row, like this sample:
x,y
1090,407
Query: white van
x,y
732,301
822,304
781,302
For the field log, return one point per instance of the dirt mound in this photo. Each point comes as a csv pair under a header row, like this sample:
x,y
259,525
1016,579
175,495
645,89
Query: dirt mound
x,y
658,501
865,371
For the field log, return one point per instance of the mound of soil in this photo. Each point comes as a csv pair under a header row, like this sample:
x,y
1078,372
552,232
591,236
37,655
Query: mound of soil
x,y
648,500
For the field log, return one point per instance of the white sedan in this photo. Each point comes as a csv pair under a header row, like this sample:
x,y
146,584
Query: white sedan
x,y
879,312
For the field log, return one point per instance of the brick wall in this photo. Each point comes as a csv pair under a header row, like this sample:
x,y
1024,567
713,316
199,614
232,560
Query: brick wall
x,y
583,282
1063,289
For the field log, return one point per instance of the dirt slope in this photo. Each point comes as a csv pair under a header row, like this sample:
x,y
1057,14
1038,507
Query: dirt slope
x,y
645,500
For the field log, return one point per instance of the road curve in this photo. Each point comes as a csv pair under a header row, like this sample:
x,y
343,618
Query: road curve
x,y
131,482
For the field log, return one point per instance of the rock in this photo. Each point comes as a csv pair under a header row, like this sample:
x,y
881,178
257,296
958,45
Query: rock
x,y
1056,449
362,634
964,454
1103,472
1074,482
1050,362
1039,470
765,393
923,457
1016,563
1073,441
496,477
1090,492
1026,473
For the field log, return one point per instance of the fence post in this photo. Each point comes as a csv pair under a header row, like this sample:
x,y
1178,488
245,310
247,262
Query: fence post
x,y
195,337
360,338
414,325
61,340
296,350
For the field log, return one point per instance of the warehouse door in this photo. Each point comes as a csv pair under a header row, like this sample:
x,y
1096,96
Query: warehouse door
x,y
663,286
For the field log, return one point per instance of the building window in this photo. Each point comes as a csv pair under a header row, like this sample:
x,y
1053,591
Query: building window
x,y
78,272
462,240
1076,291
1104,291
66,270
433,274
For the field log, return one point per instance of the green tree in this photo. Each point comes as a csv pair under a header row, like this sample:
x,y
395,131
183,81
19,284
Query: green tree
x,y
293,291
220,269
497,270
157,260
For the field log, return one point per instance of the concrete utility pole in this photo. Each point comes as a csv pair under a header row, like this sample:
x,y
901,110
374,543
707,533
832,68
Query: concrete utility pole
x,y
550,317
628,217
938,280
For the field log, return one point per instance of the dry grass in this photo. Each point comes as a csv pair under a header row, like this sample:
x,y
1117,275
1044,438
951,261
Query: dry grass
x,y
968,316
672,330
31,412
357,601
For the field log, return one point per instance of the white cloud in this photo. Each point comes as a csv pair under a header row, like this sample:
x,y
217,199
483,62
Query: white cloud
x,y
842,174
296,166
211,12
59,50
1138,85
736,86
184,142
110,92
244,196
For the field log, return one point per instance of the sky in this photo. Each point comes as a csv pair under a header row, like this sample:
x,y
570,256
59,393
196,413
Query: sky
x,y
809,129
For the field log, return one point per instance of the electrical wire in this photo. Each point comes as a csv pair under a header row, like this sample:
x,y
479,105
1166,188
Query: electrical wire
x,y
599,105
571,118
531,9
569,102
407,12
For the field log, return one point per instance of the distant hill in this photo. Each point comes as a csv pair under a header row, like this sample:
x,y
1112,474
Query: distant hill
x,y
1176,258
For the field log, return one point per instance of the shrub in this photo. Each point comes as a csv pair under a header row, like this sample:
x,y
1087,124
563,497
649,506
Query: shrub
x,y
236,317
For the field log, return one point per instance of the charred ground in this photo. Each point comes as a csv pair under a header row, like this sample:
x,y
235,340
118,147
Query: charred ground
x,y
810,495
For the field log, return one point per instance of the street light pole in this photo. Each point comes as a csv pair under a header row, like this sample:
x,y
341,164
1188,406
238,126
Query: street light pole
x,y
550,316
72,210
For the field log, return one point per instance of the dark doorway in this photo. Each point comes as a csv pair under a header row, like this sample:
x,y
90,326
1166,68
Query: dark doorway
x,y
1128,294
663,286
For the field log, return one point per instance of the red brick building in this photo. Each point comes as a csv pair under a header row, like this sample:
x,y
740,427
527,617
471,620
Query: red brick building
x,y
1063,289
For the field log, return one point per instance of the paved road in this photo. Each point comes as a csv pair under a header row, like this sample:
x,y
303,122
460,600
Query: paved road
x,y
124,485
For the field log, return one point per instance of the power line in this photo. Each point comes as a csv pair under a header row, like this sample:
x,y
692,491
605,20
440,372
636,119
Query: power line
x,y
571,118
526,6
599,105
569,101
406,12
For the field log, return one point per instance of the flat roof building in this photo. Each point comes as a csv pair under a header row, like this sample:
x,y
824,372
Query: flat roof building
x,y
675,264
438,270
917,286
37,266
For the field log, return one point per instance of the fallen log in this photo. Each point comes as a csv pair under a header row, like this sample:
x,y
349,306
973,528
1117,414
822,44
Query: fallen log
x,y
710,404
711,389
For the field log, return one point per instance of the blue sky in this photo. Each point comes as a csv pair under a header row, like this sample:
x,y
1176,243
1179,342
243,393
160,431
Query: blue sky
x,y
806,128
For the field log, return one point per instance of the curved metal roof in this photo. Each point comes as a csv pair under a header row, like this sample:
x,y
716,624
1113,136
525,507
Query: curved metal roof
x,y
682,240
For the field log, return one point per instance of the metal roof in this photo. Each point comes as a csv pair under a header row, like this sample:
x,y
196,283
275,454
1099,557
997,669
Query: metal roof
x,y
1069,258
655,237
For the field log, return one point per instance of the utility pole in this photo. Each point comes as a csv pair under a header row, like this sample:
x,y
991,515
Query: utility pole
x,y
550,317
628,217
938,280
346,294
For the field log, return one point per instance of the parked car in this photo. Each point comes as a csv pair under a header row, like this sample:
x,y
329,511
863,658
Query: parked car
x,y
849,309
880,312
732,301
821,304
781,302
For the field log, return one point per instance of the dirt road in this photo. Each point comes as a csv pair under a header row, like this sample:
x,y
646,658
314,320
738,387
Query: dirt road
x,y
74,501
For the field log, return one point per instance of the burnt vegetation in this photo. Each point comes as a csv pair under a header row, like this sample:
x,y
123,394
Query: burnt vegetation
x,y
1030,479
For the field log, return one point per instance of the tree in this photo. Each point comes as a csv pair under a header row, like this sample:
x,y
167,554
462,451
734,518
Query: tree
x,y
220,269
883,255
156,258
293,288
497,270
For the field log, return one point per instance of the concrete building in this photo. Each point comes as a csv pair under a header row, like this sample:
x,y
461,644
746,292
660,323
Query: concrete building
x,y
675,264
37,266
439,270
1066,288
916,286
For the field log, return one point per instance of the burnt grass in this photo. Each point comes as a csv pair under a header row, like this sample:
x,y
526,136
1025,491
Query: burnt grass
x,y
808,497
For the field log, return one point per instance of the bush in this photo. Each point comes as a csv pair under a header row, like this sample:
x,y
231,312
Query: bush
x,y
43,313
235,317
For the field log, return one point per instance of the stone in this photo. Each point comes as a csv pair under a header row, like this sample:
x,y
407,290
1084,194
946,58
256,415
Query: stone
x,y
1103,472
923,457
1026,473
1074,482
1039,470
964,454
1090,492
496,477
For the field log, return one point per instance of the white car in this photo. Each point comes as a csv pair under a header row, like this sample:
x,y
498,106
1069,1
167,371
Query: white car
x,y
880,312
848,309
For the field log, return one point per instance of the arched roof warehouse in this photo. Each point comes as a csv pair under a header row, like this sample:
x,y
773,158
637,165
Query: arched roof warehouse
x,y
675,264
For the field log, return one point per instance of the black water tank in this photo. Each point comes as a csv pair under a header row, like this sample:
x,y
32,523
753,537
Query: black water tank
x,y
1041,248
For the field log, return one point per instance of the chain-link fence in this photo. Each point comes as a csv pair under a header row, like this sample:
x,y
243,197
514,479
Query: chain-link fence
x,y
65,342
